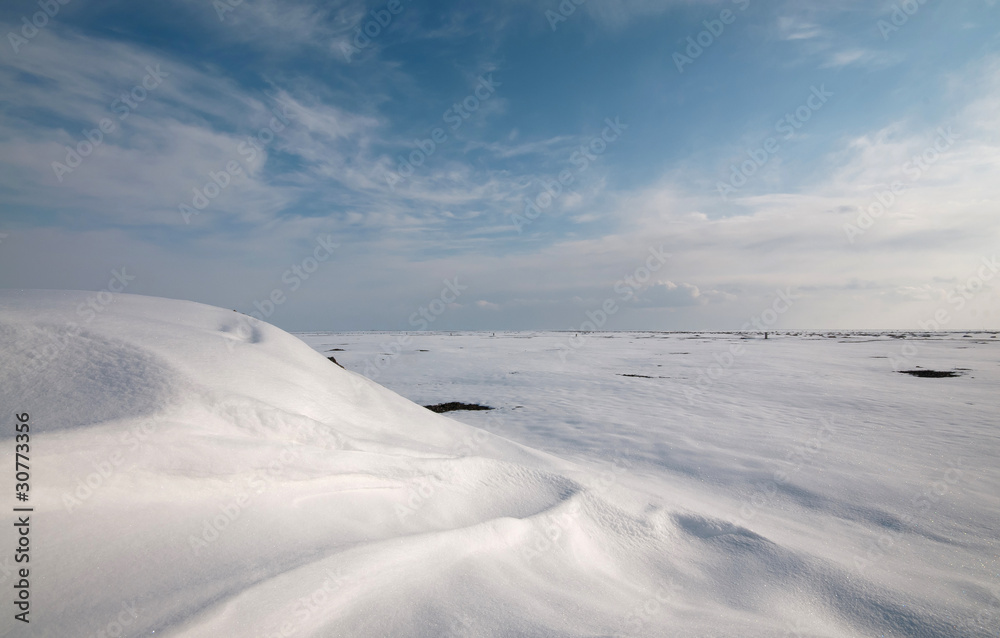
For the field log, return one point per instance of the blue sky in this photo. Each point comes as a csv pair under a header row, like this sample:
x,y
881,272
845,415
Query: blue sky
x,y
845,153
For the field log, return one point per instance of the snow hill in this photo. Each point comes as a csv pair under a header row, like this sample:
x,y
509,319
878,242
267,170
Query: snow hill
x,y
194,473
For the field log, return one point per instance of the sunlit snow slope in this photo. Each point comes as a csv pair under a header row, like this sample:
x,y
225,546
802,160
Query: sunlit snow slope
x,y
195,475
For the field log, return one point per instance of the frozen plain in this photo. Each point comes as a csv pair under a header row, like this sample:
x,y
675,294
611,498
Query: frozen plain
x,y
818,486
198,475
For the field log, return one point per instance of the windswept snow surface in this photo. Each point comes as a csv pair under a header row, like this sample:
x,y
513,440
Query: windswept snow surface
x,y
802,485
196,475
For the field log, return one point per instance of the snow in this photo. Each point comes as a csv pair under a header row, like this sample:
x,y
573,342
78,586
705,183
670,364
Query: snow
x,y
242,485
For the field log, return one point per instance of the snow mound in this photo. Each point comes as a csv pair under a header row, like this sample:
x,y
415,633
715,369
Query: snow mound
x,y
196,473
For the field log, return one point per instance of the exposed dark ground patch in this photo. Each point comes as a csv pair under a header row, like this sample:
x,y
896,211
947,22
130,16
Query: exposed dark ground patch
x,y
336,350
641,376
455,406
932,374
335,361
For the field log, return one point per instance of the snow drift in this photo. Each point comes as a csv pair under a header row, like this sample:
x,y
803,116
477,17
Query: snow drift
x,y
195,473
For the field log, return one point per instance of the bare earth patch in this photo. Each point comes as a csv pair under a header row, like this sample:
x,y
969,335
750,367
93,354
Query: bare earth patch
x,y
932,374
454,406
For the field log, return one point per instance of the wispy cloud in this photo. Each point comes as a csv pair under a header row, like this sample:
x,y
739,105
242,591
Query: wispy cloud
x,y
794,28
351,122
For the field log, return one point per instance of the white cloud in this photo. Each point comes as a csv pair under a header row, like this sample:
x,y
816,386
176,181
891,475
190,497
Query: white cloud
x,y
851,56
794,28
667,294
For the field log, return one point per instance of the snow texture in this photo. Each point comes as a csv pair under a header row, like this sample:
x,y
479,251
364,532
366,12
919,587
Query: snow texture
x,y
198,474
